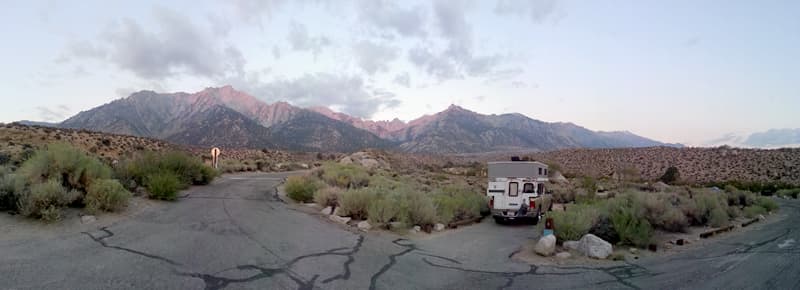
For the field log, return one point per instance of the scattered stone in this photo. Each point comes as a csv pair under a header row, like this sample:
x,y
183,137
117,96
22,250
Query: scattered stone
x,y
395,225
364,226
633,250
346,160
338,211
417,228
546,246
87,219
370,163
564,255
558,178
594,247
660,186
438,227
338,219
571,245
761,217
326,210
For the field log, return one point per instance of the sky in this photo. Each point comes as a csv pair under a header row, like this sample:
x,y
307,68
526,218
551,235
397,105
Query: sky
x,y
674,71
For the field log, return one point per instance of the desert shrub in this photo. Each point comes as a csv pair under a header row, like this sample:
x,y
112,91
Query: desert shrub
x,y
344,175
163,185
767,203
793,193
44,200
739,198
627,215
660,212
456,203
328,196
707,208
188,170
753,211
106,195
65,164
8,199
231,166
384,209
301,188
355,202
671,175
575,222
604,229
590,184
563,195
418,209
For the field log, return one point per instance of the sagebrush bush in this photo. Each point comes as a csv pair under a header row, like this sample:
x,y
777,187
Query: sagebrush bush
x,y
793,193
705,207
106,195
384,209
163,185
575,222
8,199
456,203
767,203
328,196
355,202
344,175
301,188
753,211
661,212
418,209
629,221
67,165
187,169
44,200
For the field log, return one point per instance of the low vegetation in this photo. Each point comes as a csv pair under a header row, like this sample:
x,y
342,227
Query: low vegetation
x,y
301,188
106,195
143,167
632,216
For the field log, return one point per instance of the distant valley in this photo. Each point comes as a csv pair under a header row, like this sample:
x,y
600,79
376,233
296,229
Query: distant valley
x,y
227,117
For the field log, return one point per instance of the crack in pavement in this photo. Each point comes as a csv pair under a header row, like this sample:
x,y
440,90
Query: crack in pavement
x,y
102,241
392,261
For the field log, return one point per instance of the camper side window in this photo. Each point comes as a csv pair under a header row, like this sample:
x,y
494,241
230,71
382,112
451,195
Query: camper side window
x,y
528,188
540,188
513,189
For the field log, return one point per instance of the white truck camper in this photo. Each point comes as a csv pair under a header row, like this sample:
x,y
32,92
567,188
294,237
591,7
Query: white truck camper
x,y
516,190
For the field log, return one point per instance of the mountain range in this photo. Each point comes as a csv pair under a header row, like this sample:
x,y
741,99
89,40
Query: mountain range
x,y
773,138
226,117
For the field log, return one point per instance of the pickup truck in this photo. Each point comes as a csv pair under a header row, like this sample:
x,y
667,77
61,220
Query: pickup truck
x,y
516,191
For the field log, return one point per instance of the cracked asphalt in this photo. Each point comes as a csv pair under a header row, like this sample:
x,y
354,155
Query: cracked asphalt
x,y
234,234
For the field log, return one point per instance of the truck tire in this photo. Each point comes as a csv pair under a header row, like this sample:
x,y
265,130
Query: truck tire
x,y
499,220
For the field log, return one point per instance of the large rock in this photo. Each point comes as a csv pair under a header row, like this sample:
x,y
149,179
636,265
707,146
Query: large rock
x,y
594,247
558,178
338,219
326,210
370,163
438,227
546,246
571,245
364,226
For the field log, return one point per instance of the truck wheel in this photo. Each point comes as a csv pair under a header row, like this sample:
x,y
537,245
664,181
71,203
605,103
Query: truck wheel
x,y
535,220
499,220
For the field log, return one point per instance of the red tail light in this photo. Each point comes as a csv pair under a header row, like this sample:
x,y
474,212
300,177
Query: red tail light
x,y
491,202
532,203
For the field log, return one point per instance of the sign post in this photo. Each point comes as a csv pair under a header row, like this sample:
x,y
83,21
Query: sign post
x,y
215,157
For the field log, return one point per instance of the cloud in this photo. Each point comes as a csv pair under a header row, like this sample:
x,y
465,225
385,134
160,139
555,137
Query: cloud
x,y
276,52
251,11
53,114
373,57
386,15
537,10
403,79
457,59
348,93
177,47
300,40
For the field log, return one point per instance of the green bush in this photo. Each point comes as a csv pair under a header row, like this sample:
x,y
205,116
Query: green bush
x,y
344,175
106,195
187,169
163,185
767,203
8,199
671,175
328,196
793,193
457,203
66,165
629,220
575,222
753,211
44,200
660,211
301,188
384,209
706,208
355,202
418,209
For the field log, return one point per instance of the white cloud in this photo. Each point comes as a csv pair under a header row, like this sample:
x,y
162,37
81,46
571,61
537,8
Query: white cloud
x,y
373,57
